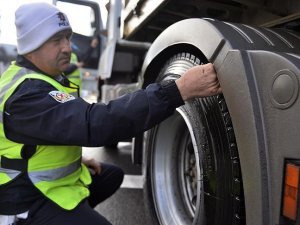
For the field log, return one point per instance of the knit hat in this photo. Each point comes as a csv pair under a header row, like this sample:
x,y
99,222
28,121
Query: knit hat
x,y
36,23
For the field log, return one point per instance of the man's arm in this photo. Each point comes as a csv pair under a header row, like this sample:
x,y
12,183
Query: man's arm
x,y
32,116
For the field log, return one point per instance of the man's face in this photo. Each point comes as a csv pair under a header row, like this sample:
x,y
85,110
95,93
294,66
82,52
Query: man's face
x,y
53,57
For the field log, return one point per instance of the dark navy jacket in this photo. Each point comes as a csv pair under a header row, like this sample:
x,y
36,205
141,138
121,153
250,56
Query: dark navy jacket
x,y
33,117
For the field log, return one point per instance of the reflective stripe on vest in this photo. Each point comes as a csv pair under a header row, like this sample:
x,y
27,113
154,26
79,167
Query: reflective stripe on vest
x,y
12,174
4,89
55,174
55,170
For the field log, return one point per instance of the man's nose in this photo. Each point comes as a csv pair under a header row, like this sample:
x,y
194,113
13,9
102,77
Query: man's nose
x,y
66,45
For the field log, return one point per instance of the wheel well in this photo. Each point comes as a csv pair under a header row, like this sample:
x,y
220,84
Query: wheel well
x,y
157,62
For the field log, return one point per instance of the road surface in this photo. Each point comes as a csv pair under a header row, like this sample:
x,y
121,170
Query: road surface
x,y
126,206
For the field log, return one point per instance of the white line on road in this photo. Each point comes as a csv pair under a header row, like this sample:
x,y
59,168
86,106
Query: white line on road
x,y
133,181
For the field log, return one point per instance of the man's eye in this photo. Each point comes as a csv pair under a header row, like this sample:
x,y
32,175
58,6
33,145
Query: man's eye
x,y
55,39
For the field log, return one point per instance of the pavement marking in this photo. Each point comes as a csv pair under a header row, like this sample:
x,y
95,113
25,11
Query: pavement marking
x,y
133,181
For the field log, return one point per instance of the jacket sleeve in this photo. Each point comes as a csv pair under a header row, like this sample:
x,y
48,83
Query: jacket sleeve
x,y
32,116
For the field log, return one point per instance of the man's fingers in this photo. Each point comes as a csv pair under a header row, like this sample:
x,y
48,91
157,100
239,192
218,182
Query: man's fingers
x,y
199,81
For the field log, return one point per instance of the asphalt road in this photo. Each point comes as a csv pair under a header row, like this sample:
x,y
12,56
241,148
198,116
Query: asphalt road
x,y
126,206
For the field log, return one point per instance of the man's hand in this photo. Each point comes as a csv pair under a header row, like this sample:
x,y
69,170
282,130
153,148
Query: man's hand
x,y
199,81
92,164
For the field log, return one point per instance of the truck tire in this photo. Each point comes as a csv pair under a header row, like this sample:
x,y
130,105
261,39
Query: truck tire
x,y
192,173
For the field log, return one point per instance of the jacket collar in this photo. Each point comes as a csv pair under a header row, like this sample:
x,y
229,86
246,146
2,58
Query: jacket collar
x,y
23,62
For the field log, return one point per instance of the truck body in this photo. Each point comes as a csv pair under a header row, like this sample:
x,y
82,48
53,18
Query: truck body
x,y
223,160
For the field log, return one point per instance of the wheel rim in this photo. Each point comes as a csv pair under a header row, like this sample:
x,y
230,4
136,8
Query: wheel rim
x,y
182,175
189,169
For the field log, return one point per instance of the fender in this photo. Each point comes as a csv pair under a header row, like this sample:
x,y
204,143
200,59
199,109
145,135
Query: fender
x,y
262,100
196,35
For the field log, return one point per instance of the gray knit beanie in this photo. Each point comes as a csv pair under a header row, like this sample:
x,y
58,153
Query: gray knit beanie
x,y
36,23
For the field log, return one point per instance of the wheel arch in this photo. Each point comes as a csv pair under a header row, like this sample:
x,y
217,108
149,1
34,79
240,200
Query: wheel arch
x,y
189,40
151,72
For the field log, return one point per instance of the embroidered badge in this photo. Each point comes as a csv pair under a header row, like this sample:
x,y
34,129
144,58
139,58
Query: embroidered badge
x,y
63,21
61,97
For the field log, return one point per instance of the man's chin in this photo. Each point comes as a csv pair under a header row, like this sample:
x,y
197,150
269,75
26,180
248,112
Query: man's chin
x,y
64,66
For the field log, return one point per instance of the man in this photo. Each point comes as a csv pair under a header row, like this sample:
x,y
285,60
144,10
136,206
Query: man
x,y
43,178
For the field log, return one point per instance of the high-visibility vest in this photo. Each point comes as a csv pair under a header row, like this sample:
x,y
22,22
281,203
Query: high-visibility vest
x,y
75,76
56,171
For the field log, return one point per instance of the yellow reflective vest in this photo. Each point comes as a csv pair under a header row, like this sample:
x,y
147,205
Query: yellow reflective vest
x,y
56,171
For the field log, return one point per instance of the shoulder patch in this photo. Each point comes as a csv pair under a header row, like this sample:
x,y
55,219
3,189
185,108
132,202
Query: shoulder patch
x,y
61,97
